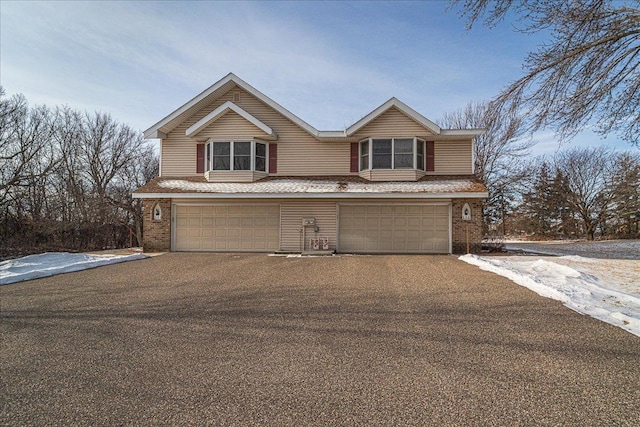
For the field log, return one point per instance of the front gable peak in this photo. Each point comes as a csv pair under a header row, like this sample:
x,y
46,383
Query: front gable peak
x,y
228,106
403,108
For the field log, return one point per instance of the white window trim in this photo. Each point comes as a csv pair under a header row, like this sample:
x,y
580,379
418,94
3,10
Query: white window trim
x,y
415,139
252,168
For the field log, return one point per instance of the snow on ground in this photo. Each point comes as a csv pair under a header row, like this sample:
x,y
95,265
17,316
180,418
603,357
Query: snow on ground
x,y
607,289
52,263
619,249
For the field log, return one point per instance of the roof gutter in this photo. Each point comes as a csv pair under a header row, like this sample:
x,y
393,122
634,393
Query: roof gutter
x,y
342,195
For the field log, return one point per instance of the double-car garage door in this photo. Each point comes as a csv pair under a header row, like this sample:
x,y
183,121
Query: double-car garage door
x,y
232,227
362,228
394,228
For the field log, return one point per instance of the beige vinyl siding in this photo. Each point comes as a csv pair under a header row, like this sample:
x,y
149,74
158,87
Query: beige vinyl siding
x,y
234,176
452,158
232,127
393,123
291,215
298,152
178,157
392,174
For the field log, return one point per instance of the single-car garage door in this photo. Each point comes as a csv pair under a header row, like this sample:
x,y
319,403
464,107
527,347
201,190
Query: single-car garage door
x,y
394,228
231,227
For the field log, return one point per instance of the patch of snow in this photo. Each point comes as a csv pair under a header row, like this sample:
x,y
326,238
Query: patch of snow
x,y
605,289
311,186
52,263
620,249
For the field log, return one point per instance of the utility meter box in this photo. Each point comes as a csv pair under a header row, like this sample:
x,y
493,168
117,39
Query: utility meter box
x,y
308,222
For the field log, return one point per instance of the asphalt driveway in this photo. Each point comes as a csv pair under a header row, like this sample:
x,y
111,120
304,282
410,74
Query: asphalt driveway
x,y
203,339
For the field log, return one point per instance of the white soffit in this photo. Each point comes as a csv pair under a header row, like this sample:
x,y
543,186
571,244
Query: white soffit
x,y
194,129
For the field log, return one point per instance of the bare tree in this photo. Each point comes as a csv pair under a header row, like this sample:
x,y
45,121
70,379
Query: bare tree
x,y
498,153
134,175
66,179
589,72
24,142
588,175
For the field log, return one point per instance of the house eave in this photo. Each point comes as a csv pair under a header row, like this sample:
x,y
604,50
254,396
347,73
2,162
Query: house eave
x,y
336,195
171,121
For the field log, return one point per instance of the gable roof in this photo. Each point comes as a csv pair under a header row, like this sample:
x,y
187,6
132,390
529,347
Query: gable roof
x,y
228,82
166,125
201,124
391,103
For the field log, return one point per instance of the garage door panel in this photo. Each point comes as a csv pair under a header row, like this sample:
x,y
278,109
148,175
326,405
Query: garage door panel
x,y
227,227
394,228
414,222
442,222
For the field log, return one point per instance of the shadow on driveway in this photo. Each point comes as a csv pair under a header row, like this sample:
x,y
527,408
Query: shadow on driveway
x,y
219,339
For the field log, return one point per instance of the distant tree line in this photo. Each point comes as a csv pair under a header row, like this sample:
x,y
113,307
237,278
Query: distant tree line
x,y
577,193
66,179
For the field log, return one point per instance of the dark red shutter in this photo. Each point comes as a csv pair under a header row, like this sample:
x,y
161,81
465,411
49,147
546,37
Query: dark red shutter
x,y
200,158
273,158
430,164
354,157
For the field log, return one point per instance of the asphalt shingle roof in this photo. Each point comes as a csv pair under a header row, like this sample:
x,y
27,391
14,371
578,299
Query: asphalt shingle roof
x,y
316,184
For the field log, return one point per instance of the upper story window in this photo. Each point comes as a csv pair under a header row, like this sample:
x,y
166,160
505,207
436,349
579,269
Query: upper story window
x,y
236,156
392,153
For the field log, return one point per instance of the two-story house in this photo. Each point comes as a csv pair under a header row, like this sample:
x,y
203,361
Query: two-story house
x,y
238,172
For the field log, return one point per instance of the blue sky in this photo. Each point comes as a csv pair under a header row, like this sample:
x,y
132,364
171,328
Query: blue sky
x,y
330,63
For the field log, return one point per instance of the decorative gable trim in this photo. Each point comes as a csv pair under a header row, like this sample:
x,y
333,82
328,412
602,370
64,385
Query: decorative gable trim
x,y
164,126
404,108
170,122
201,124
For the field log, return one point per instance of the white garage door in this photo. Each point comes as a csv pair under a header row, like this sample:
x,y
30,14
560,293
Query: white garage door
x,y
247,228
394,228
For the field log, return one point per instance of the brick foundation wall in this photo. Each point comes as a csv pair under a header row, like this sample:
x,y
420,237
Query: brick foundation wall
x,y
156,233
459,232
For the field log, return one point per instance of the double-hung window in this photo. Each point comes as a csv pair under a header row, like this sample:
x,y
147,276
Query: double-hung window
x,y
220,160
261,157
392,153
236,156
241,156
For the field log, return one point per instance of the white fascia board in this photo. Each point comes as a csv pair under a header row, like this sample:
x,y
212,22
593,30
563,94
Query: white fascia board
x,y
154,134
393,102
462,132
480,195
194,129
202,95
245,86
273,104
332,133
